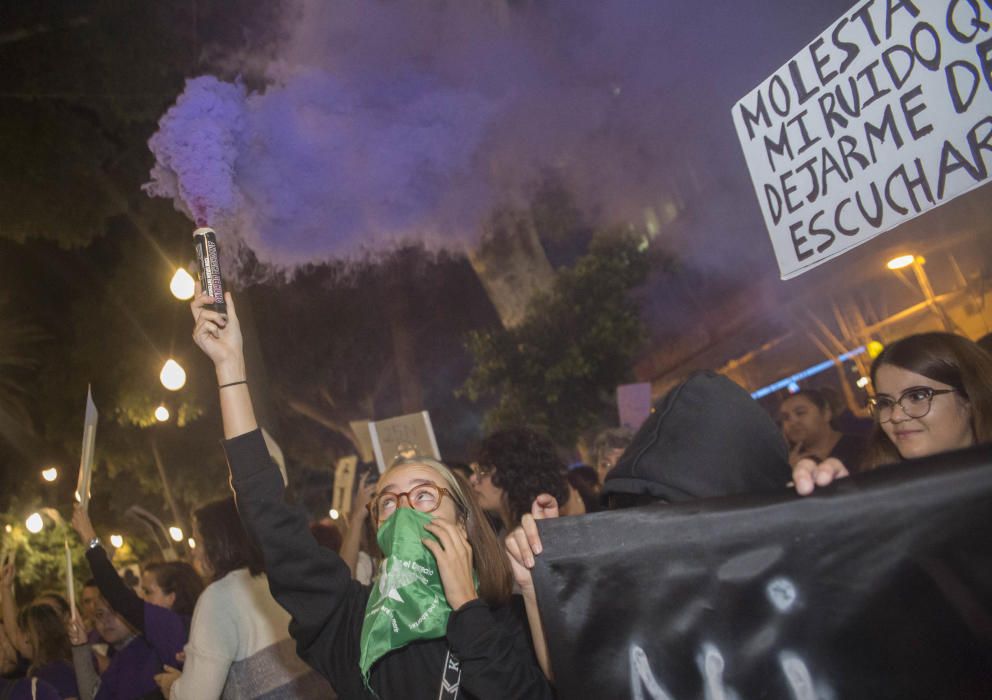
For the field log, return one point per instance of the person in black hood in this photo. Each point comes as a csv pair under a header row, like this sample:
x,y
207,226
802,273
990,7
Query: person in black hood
x,y
706,438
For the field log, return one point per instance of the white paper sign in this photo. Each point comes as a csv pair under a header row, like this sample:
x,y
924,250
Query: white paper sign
x,y
86,454
884,116
404,436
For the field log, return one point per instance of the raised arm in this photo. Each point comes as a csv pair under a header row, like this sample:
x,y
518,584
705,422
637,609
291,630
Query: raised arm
x,y
522,545
356,523
312,583
122,599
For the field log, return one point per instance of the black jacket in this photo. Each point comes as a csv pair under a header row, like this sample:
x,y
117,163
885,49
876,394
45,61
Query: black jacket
x,y
327,606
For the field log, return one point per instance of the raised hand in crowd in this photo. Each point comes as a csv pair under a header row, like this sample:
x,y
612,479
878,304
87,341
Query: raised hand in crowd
x,y
77,631
522,544
82,524
808,473
351,546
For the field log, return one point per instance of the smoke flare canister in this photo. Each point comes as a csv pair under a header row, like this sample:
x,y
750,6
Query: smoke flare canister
x,y
205,244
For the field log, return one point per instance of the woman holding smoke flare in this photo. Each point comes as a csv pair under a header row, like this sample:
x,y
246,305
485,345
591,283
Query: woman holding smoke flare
x,y
435,623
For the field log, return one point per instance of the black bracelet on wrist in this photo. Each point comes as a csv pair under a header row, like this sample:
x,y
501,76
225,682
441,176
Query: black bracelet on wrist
x,y
223,386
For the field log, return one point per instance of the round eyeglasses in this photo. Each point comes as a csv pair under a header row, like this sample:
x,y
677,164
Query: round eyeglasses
x,y
914,402
424,497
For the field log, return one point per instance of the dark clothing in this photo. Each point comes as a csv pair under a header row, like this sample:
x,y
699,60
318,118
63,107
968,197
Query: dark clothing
x,y
850,450
131,672
328,608
165,631
61,676
706,438
21,690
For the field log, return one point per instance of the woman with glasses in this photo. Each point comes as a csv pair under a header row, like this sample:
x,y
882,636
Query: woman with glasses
x,y
435,624
933,393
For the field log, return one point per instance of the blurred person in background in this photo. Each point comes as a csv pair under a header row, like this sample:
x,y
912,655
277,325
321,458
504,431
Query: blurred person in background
x,y
807,420
514,466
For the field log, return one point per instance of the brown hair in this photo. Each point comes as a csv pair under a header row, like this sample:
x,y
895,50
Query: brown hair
x,y
179,578
946,358
47,634
226,544
488,558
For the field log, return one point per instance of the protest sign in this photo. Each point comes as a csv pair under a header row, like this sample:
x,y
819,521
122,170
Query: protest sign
x,y
404,436
360,428
884,116
344,482
86,454
633,404
879,586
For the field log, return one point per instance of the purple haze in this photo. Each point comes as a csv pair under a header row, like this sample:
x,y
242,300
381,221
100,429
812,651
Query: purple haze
x,y
388,120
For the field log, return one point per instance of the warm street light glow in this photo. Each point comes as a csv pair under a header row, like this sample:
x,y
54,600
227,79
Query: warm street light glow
x,y
117,541
191,542
863,382
34,523
182,285
9,528
161,414
50,474
173,376
900,262
176,534
333,512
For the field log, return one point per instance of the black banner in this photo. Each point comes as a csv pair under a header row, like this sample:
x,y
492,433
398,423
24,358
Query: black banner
x,y
877,587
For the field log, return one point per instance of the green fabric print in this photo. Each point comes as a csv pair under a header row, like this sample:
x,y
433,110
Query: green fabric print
x,y
407,600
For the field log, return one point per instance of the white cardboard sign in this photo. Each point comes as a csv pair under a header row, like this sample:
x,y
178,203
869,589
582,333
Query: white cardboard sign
x,y
884,116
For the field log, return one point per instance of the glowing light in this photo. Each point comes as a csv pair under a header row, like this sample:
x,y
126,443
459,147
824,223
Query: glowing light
x,y
50,474
116,541
191,542
808,372
900,262
875,349
161,414
793,388
173,376
176,534
182,285
8,528
863,382
34,523
333,512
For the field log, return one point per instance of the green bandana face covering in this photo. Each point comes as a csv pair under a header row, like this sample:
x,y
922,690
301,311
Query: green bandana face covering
x,y
407,600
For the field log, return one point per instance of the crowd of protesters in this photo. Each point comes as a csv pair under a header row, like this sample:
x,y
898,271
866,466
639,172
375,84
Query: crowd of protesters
x,y
428,592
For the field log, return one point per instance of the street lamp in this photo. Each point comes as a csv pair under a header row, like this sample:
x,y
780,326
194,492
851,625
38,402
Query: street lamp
x,y
182,285
917,261
176,534
34,523
161,414
173,376
900,262
50,474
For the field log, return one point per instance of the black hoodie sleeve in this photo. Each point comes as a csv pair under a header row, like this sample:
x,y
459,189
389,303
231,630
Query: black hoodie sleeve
x,y
122,599
311,582
494,650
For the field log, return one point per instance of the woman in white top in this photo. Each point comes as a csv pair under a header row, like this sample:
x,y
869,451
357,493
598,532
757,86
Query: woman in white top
x,y
239,644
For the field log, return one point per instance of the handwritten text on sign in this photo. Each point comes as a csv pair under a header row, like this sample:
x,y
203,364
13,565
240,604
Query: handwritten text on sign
x,y
884,116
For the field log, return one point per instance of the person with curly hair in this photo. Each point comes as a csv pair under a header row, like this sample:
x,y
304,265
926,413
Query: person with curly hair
x,y
512,467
